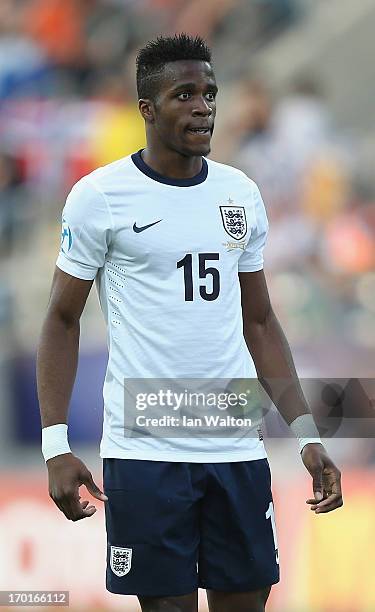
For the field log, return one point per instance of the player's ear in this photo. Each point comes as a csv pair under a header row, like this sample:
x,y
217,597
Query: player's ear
x,y
146,108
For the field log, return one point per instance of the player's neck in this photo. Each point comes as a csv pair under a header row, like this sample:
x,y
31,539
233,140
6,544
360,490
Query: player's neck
x,y
172,164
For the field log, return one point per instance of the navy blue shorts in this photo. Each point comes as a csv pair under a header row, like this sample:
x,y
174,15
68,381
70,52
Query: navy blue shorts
x,y
174,527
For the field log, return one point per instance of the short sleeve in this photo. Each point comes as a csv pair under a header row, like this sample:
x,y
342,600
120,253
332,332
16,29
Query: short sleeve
x,y
251,259
86,231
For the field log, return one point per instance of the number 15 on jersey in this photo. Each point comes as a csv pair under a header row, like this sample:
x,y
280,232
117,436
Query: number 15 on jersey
x,y
204,273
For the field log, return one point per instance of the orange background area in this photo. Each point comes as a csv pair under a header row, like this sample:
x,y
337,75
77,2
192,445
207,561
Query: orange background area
x,y
326,560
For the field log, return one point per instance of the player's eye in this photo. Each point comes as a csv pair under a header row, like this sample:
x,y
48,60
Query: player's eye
x,y
211,96
184,95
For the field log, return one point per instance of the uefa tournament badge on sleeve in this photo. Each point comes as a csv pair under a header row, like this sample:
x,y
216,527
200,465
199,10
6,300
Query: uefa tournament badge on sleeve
x,y
66,238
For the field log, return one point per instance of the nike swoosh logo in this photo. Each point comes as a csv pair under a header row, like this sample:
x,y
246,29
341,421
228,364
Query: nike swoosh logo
x,y
144,227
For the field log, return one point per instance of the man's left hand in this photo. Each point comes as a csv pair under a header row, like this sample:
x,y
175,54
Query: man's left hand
x,y
326,479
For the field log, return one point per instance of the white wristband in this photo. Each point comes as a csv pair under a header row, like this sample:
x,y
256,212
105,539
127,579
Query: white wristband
x,y
55,441
305,430
303,441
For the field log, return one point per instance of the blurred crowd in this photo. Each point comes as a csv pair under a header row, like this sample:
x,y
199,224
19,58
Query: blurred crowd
x,y
68,104
321,247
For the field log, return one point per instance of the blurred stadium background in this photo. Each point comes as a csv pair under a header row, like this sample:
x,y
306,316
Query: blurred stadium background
x,y
296,112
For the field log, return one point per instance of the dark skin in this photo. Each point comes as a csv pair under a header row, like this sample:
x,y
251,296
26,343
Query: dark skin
x,y
185,100
264,338
56,370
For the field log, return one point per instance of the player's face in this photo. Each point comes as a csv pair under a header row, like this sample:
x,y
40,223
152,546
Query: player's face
x,y
184,111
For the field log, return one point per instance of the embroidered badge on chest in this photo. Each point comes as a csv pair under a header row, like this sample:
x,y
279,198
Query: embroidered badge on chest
x,y
121,560
234,220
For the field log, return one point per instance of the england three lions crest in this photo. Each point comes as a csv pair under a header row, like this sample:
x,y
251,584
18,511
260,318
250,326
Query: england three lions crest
x,y
234,220
121,560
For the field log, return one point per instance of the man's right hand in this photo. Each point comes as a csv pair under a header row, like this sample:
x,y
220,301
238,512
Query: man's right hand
x,y
66,473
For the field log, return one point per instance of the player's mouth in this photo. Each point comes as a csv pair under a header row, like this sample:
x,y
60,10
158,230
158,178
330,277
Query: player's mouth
x,y
199,131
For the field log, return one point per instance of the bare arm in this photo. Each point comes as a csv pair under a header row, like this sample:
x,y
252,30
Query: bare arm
x,y
58,347
274,364
269,348
56,370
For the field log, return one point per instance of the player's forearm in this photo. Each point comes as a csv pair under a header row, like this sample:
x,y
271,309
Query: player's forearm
x,y
56,368
275,367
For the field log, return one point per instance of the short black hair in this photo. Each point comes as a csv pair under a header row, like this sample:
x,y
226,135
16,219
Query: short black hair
x,y
152,59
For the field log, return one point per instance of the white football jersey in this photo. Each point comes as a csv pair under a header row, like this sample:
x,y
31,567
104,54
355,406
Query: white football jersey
x,y
166,254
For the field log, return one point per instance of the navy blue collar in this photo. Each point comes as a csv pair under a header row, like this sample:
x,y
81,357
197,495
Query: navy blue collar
x,y
186,182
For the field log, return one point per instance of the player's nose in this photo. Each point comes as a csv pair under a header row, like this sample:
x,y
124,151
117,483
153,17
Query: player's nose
x,y
202,108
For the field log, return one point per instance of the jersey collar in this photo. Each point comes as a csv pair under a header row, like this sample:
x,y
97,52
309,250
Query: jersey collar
x,y
187,182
